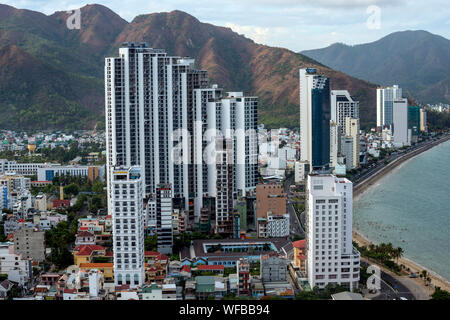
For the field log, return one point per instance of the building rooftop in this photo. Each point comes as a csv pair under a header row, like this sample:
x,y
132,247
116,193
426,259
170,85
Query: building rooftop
x,y
347,296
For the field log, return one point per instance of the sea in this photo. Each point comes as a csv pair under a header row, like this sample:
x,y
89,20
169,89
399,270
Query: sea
x,y
410,207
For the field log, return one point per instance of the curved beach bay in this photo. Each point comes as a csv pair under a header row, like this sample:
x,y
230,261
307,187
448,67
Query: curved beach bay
x,y
410,207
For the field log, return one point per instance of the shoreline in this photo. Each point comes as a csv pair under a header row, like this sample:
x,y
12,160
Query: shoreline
x,y
362,186
436,279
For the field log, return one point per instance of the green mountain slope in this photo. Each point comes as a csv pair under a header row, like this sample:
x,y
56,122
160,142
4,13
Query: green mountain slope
x,y
416,60
52,77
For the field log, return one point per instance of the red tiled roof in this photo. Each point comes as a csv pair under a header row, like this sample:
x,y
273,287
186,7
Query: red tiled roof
x,y
97,265
109,254
156,255
185,268
122,287
59,203
300,244
84,234
70,290
210,267
87,249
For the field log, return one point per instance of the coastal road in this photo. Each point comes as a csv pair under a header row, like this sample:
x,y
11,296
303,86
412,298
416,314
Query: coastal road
x,y
391,287
295,226
361,178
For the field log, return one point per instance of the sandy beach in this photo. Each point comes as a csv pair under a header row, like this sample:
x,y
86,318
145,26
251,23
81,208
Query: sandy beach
x,y
436,279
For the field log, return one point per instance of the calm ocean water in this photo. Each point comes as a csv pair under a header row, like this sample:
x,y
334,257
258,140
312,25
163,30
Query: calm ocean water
x,y
410,207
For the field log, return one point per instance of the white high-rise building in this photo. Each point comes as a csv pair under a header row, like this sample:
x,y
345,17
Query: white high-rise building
x,y
400,124
315,116
160,115
335,143
352,130
126,207
343,106
331,257
385,104
232,117
149,115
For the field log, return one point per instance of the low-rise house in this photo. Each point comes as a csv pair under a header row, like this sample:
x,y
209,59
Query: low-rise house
x,y
169,291
257,288
126,294
185,272
152,292
61,204
189,290
217,269
173,269
300,255
85,238
210,286
279,289
50,279
107,269
87,253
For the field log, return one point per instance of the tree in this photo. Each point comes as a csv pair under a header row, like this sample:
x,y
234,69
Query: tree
x,y
72,189
150,243
440,294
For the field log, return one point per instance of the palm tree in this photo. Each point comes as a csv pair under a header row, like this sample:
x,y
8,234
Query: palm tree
x,y
397,253
423,274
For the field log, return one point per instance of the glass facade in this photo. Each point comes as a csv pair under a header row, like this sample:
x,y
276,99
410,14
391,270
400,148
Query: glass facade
x,y
321,116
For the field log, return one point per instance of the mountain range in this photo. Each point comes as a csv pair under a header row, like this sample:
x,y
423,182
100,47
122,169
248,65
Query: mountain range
x,y
51,77
418,61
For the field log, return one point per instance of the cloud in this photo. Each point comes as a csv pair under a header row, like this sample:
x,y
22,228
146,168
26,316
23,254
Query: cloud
x,y
294,24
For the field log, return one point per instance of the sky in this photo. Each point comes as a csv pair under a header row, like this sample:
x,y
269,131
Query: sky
x,y
294,24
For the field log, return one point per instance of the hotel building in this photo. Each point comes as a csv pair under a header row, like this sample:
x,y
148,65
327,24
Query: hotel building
x,y
126,206
331,257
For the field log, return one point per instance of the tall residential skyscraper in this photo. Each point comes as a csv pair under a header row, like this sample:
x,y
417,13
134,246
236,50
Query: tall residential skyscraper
x,y
352,130
126,207
343,106
331,257
315,116
159,109
233,117
149,113
385,104
402,135
224,185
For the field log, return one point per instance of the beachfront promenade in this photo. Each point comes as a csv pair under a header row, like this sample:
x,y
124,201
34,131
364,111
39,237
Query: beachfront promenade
x,y
369,177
